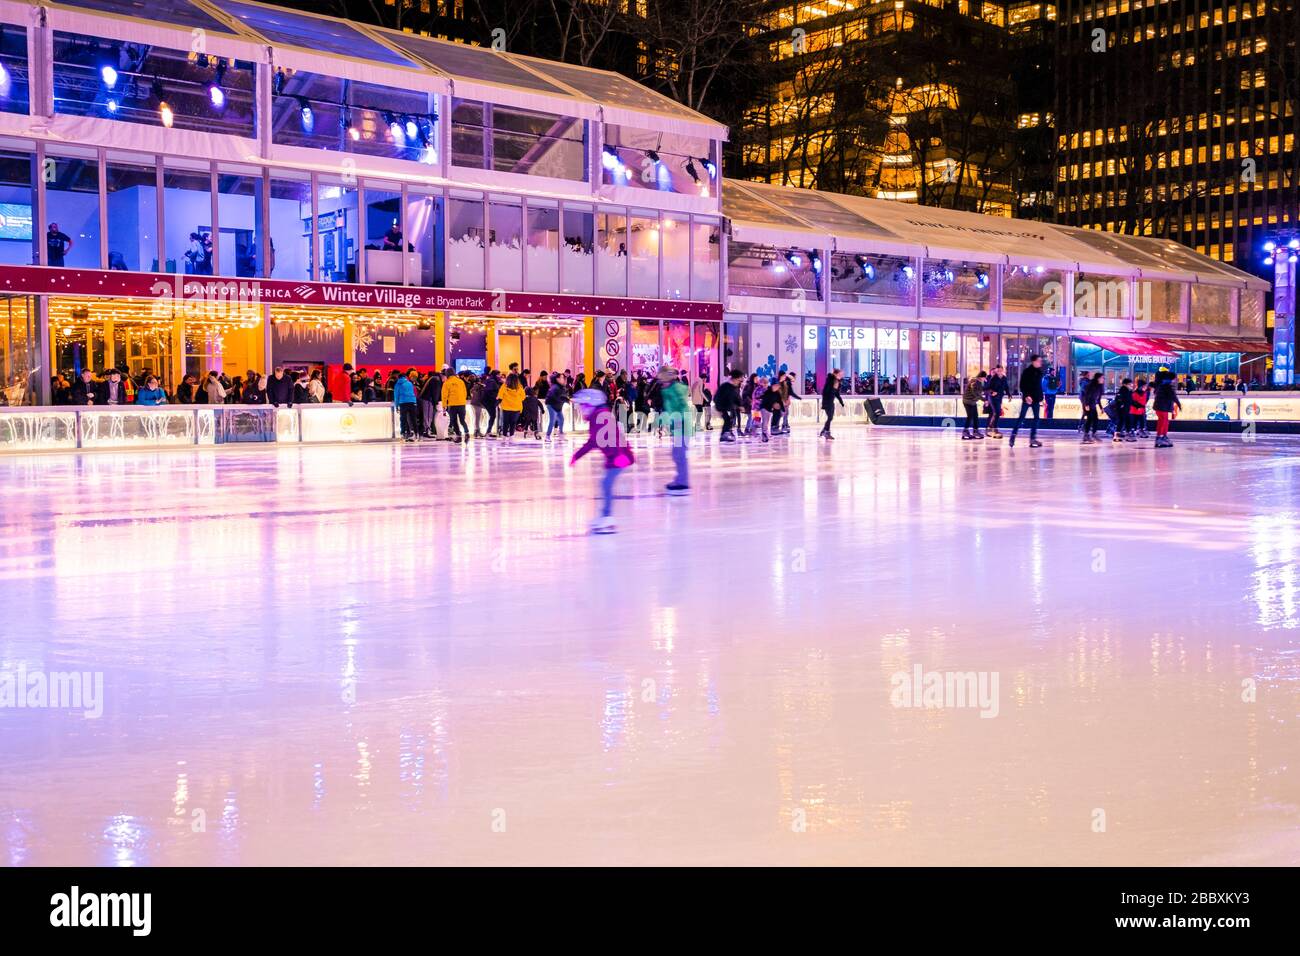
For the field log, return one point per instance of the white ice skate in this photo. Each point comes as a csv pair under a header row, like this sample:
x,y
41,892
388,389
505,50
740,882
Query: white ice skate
x,y
603,526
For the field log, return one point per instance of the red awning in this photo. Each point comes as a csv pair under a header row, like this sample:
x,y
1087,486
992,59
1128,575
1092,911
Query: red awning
x,y
1148,345
1130,345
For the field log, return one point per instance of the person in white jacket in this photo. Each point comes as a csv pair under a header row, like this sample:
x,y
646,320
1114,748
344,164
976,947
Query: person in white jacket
x,y
703,402
216,392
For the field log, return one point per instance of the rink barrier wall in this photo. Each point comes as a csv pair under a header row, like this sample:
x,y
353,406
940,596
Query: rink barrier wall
x,y
66,428
69,428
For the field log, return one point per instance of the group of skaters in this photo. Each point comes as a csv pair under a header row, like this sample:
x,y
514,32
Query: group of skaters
x,y
1126,411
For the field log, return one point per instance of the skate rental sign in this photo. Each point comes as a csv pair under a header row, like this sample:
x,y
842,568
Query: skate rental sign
x,y
216,292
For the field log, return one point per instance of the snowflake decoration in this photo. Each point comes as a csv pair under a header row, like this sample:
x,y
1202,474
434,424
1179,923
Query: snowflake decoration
x,y
791,344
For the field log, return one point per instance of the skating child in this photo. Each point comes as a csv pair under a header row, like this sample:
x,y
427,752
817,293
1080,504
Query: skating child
x,y
532,415
757,420
1123,402
1137,411
604,435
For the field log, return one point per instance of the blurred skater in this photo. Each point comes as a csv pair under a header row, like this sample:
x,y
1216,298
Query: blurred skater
x,y
605,435
677,416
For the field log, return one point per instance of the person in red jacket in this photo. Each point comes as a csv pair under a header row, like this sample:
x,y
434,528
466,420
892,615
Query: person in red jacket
x,y
1137,412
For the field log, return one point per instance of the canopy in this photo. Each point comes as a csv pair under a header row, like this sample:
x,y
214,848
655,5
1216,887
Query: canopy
x,y
1169,348
867,225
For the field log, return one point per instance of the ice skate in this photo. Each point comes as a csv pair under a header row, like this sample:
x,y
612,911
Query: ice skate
x,y
603,525
676,489
1035,443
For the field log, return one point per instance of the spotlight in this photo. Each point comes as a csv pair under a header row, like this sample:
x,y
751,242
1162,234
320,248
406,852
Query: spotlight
x,y
691,171
654,157
305,114
215,92
981,279
1291,258
412,131
1270,246
108,73
5,80
794,259
609,158
345,123
157,92
110,104
867,270
711,169
1268,260
815,261
1293,244
277,84
394,128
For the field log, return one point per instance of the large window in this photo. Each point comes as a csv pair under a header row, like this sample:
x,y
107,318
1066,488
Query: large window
x,y
706,254
577,253
142,83
132,188
288,253
327,112
949,284
1212,304
543,246
505,244
391,258
187,220
676,233
509,140
14,76
1033,289
424,232
643,254
337,230
611,254
239,221
876,280
772,272
72,210
17,237
19,351
667,162
465,242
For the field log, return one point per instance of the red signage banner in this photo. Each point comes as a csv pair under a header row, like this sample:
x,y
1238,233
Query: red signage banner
x,y
53,280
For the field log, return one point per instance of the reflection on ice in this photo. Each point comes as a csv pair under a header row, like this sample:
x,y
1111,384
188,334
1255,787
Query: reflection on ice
x,y
429,631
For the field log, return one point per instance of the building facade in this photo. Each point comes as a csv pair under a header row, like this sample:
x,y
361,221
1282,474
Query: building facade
x,y
1179,119
940,102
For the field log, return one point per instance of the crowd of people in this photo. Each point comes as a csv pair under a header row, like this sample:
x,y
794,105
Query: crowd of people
x,y
1126,411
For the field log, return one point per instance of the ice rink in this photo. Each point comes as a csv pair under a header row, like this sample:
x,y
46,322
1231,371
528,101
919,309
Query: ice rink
x,y
416,655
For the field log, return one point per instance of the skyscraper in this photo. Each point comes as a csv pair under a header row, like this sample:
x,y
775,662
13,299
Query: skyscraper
x,y
1178,119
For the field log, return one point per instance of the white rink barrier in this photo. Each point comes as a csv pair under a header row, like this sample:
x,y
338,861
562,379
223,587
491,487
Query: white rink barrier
x,y
67,428
1200,406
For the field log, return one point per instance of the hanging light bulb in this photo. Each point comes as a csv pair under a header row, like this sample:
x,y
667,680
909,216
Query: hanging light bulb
x,y
215,91
108,73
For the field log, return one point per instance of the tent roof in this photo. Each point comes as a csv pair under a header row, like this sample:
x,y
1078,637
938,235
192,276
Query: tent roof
x,y
620,100
789,215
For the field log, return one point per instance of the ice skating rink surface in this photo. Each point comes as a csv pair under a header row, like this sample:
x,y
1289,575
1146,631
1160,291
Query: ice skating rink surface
x,y
416,655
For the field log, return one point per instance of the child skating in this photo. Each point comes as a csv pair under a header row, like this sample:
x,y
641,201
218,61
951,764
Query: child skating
x,y
605,435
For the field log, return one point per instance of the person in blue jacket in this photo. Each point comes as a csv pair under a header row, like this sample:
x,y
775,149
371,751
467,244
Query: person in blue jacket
x,y
405,401
151,394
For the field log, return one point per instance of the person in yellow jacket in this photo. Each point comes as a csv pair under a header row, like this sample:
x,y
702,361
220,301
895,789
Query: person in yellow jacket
x,y
511,397
453,402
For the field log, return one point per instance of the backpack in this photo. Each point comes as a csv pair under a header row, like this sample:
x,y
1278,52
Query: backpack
x,y
476,394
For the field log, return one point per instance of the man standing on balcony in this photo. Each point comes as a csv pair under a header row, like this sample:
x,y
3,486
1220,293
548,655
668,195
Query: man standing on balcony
x,y
1031,396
